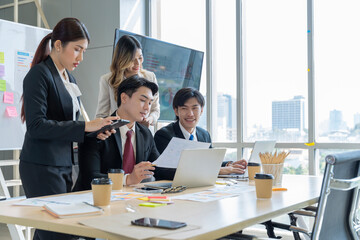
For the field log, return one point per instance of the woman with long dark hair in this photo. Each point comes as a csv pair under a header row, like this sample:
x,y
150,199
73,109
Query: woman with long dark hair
x,y
126,62
51,107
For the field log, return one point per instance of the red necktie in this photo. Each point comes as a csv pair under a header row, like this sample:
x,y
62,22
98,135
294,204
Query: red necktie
x,y
128,156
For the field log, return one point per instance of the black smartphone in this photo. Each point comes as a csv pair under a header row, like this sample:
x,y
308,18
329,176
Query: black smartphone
x,y
158,223
113,125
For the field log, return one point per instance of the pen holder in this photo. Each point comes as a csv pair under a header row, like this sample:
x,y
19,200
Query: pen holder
x,y
275,170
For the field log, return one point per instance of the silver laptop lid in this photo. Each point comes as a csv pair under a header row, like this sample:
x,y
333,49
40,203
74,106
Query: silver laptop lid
x,y
261,147
199,167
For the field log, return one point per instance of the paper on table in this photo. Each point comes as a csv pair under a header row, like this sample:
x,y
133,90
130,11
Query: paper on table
x,y
121,225
171,155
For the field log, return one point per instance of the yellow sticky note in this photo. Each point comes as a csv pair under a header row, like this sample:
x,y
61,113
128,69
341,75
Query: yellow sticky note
x,y
2,57
144,198
308,69
310,144
150,204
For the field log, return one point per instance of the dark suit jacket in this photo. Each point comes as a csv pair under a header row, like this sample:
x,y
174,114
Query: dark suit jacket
x,y
49,118
162,138
95,158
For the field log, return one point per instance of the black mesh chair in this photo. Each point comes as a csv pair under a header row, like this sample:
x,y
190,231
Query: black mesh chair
x,y
335,215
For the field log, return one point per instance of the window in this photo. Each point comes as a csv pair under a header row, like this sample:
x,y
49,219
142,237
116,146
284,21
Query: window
x,y
275,76
337,73
224,71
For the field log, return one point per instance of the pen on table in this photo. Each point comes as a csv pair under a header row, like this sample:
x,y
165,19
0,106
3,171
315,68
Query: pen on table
x,y
93,206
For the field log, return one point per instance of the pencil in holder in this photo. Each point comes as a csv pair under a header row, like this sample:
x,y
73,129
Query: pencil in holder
x,y
276,170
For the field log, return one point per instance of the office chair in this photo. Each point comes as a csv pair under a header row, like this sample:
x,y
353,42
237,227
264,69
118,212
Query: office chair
x,y
335,215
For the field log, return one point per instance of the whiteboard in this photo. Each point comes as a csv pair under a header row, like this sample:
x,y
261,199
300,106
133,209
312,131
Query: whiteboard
x,y
18,43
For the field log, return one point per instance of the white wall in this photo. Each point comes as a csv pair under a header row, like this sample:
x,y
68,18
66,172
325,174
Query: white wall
x,y
101,18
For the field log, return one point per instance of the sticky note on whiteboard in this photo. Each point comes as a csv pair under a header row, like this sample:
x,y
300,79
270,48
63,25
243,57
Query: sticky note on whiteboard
x,y
2,85
9,97
2,57
2,70
11,111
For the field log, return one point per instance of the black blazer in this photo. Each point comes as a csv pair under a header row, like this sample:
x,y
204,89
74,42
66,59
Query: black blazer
x,y
162,138
49,118
96,157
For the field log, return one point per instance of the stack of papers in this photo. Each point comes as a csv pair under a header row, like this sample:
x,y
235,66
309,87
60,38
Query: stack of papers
x,y
72,210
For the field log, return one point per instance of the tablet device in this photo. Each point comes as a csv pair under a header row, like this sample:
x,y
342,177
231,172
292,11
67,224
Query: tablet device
x,y
113,125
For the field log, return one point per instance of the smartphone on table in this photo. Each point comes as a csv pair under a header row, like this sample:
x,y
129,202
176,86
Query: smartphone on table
x,y
157,223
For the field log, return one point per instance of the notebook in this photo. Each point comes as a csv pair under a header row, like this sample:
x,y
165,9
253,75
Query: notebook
x,y
196,168
259,147
72,210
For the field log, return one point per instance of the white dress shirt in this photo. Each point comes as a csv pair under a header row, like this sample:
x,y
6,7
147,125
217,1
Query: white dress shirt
x,y
73,90
187,134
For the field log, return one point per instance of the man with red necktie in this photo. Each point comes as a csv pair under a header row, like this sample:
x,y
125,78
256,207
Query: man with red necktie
x,y
131,148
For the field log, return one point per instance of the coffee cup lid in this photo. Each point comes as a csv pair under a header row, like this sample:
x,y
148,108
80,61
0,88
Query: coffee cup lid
x,y
253,164
263,176
115,170
101,181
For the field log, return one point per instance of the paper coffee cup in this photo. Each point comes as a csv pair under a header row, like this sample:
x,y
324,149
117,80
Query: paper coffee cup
x,y
116,175
101,190
263,185
253,168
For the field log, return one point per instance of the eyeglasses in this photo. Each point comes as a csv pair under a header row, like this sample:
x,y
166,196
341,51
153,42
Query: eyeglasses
x,y
174,189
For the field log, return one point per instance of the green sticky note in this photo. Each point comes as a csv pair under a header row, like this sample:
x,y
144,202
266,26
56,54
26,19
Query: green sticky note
x,y
150,204
2,58
2,85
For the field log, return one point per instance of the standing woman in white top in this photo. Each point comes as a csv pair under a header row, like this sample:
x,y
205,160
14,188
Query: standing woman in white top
x,y
51,109
127,61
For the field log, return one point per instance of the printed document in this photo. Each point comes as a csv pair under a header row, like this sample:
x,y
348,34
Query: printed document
x,y
171,155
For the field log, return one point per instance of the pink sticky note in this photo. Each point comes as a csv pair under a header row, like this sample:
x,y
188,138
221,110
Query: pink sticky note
x,y
11,111
9,97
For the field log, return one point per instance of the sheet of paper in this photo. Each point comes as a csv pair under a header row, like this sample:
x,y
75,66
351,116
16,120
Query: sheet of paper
x,y
11,111
76,198
171,155
205,196
8,97
2,85
121,225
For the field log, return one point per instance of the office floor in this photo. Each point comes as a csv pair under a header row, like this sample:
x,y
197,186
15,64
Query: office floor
x,y
4,232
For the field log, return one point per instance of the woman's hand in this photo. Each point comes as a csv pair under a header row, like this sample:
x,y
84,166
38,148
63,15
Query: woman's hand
x,y
98,123
106,134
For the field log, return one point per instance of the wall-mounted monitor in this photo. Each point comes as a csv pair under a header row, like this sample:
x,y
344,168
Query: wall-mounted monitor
x,y
175,67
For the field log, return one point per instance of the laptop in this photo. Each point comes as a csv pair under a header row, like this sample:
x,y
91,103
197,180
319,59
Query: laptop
x,y
259,147
196,168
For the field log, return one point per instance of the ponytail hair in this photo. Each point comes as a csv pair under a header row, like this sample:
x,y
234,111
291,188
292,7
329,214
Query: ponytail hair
x,y
67,30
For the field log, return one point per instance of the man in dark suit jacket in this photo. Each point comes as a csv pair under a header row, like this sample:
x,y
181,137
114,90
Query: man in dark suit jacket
x,y
135,96
188,105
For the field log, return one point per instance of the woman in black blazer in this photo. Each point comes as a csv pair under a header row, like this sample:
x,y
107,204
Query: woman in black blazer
x,y
51,108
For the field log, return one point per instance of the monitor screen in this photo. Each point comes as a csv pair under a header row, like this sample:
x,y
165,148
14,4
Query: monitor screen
x,y
175,67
